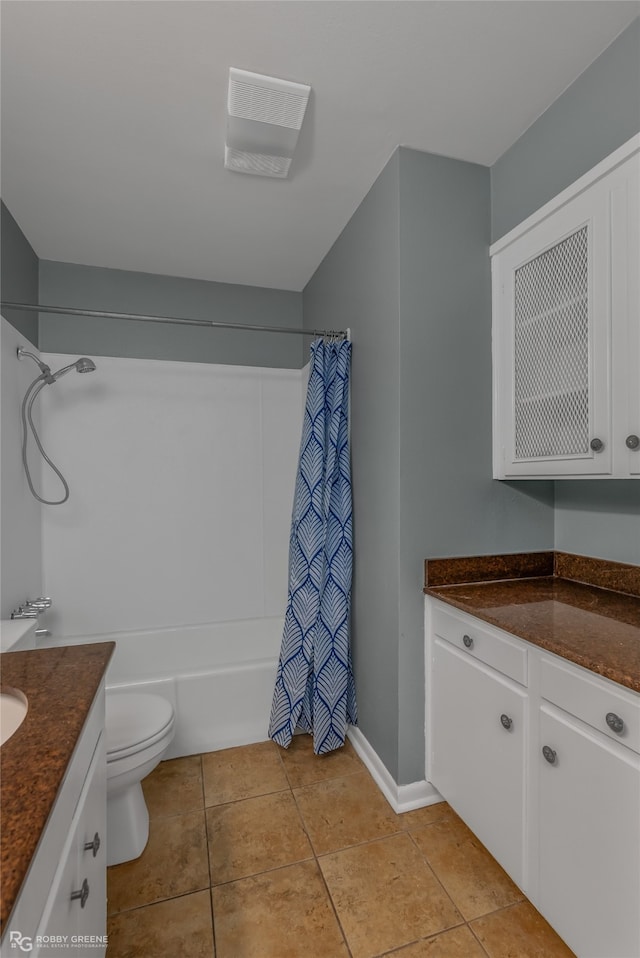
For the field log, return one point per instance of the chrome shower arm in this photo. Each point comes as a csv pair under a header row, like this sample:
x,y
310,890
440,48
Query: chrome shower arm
x,y
44,369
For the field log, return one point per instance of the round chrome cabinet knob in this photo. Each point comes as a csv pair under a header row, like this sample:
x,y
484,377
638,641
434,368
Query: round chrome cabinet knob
x,y
506,721
549,754
615,723
94,845
597,445
82,894
468,641
632,442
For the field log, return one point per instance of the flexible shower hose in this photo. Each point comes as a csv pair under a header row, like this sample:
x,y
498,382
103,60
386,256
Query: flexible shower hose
x,y
27,421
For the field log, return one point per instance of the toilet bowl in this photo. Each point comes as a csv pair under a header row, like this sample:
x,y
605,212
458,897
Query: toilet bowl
x,y
139,728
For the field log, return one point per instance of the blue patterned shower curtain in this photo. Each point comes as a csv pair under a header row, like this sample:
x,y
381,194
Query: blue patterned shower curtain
x,y
315,689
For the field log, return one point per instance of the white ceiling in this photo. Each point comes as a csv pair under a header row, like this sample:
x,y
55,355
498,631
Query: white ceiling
x,y
113,116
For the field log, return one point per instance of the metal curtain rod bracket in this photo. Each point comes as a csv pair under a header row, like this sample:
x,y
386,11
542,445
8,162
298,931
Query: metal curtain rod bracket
x,y
337,334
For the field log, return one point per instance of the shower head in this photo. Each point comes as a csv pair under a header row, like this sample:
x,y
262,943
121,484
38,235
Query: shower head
x,y
82,365
85,365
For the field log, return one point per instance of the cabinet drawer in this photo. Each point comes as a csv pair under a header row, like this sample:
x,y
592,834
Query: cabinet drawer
x,y
480,641
592,700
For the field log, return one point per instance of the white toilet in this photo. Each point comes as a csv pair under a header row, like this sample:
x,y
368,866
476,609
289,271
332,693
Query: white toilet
x,y
139,728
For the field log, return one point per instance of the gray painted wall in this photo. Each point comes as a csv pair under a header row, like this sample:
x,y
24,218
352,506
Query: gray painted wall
x,y
596,115
357,285
66,284
20,513
599,518
20,532
449,503
410,276
19,275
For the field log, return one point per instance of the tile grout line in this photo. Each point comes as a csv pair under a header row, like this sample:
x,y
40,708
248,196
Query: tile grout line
x,y
465,921
325,885
476,937
333,778
440,883
204,812
158,901
322,878
493,911
436,876
316,857
247,798
206,832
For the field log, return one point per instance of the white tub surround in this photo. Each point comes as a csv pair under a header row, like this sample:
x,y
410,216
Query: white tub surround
x,y
174,542
219,677
182,478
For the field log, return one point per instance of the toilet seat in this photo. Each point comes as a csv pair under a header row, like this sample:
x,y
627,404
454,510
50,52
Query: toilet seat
x,y
135,722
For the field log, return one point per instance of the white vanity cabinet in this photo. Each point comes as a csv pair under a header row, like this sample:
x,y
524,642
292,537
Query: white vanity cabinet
x,y
77,902
64,893
478,740
556,797
587,807
566,331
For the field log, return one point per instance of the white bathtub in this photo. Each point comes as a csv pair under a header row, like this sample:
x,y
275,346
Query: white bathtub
x,y
219,677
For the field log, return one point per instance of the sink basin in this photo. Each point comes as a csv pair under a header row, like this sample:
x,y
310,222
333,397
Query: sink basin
x,y
13,709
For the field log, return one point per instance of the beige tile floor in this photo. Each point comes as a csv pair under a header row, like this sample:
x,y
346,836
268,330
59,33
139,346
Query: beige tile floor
x,y
258,852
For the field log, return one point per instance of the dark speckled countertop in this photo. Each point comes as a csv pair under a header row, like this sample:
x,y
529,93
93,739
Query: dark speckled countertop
x,y
585,610
60,685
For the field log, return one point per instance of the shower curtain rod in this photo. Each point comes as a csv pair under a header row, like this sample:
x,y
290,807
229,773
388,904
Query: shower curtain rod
x,y
101,314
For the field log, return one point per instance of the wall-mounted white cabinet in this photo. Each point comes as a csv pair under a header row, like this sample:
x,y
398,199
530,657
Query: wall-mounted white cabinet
x,y
566,331
541,759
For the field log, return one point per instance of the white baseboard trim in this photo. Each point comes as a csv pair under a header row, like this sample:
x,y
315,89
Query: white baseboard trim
x,y
402,798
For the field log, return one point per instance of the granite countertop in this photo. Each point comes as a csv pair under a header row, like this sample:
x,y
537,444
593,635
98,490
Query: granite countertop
x,y
60,685
585,610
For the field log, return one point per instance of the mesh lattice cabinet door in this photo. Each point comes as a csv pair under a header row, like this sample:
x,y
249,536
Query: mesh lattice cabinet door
x,y
551,351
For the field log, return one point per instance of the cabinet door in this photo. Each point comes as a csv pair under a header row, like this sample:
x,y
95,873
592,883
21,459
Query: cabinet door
x,y
477,758
92,853
77,902
59,920
589,817
552,345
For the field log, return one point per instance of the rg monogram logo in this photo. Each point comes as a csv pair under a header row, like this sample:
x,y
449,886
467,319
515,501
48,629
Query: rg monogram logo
x,y
20,941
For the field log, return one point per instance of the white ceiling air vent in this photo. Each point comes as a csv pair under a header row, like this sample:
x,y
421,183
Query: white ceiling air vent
x,y
263,123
